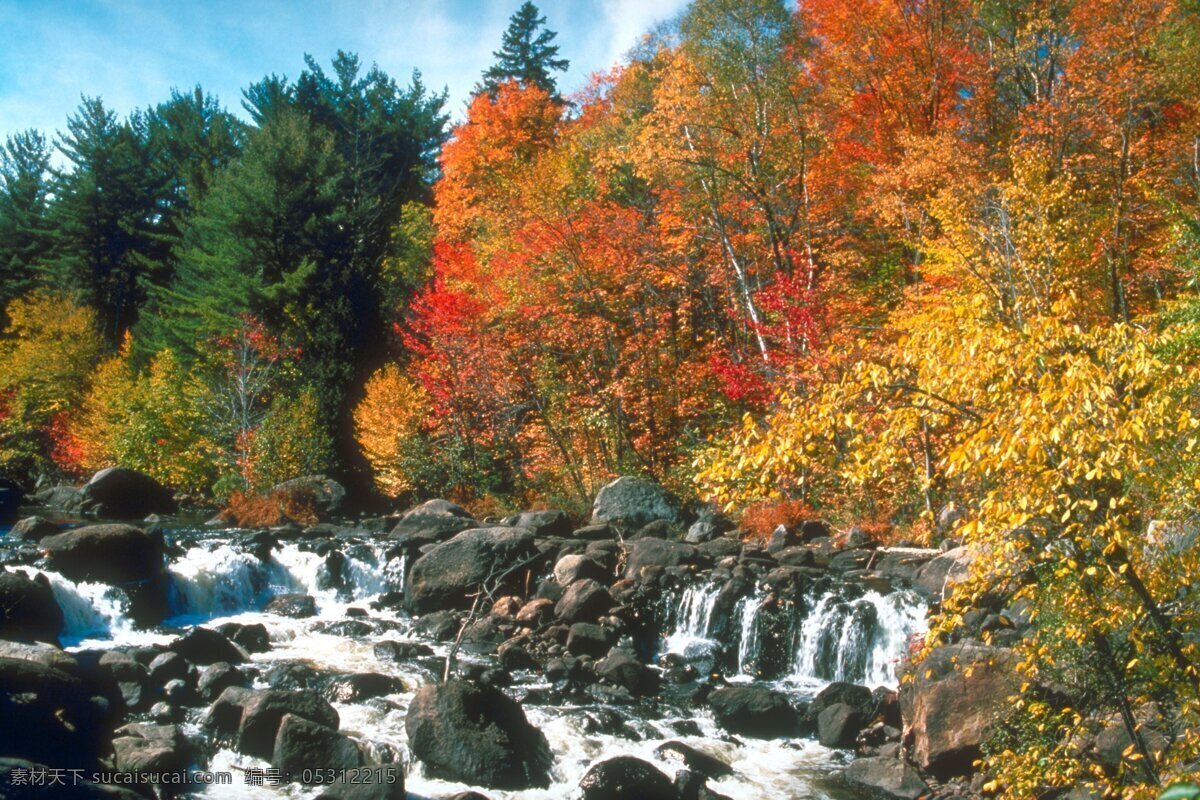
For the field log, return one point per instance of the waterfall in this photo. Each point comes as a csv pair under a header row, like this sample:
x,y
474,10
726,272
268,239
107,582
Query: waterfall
x,y
746,612
857,640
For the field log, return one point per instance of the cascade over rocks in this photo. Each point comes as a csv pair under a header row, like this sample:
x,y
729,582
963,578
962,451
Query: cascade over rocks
x,y
478,735
447,575
123,493
634,502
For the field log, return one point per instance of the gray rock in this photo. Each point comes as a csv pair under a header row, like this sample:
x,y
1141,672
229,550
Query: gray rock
x,y
889,777
28,610
634,502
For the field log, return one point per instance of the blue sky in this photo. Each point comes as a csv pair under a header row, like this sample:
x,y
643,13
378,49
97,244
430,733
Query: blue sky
x,y
131,52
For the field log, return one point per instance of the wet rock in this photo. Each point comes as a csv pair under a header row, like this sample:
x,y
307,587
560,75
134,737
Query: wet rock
x,y
850,694
574,567
32,529
362,686
302,744
28,610
225,714
838,725
452,571
477,735
252,638
123,493
693,759
107,554
753,711
620,668
401,651
542,523
296,606
584,601
645,553
386,783
513,656
150,749
262,713
204,646
633,502
586,639
167,666
625,778
950,714
441,626
216,678
324,495
888,777
49,716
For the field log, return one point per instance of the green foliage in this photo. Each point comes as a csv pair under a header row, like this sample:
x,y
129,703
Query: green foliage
x,y
292,440
24,227
526,54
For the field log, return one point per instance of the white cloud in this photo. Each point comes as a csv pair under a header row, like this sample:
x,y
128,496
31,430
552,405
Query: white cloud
x,y
630,20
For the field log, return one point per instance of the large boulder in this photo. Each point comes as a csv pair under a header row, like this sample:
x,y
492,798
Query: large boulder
x,y
431,522
11,497
585,600
150,749
944,570
28,610
838,725
571,568
123,493
204,646
952,703
634,502
447,576
754,711
113,554
626,778
644,553
888,777
32,529
263,712
302,744
49,716
477,735
324,495
542,523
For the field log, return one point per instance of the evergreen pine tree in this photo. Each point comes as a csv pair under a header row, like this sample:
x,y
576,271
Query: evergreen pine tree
x,y
24,227
526,54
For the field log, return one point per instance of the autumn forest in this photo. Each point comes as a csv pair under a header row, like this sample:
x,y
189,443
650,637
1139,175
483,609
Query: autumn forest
x,y
923,267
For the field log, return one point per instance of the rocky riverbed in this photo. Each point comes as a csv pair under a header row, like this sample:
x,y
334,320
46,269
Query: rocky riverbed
x,y
648,653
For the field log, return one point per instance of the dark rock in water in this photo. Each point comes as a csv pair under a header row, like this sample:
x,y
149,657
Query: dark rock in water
x,y
620,668
441,626
477,735
122,667
252,638
115,554
693,759
401,651
346,628
28,610
218,677
325,495
32,529
447,576
205,646
225,714
15,784
123,493
301,744
850,694
584,601
176,691
263,712
11,497
586,639
293,675
167,666
838,725
753,711
296,606
150,749
386,783
952,704
542,523
514,657
657,553
362,686
431,522
889,777
626,778
49,716
61,498
633,502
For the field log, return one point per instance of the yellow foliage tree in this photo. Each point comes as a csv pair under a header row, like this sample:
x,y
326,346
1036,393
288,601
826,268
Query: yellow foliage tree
x,y
386,421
